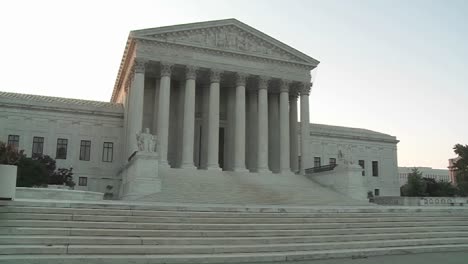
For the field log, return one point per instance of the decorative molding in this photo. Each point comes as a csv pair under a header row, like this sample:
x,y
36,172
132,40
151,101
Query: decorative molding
x,y
166,69
284,86
241,79
139,65
251,57
263,82
215,75
191,72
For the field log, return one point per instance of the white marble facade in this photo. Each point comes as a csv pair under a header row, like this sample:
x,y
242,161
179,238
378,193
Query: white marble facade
x,y
219,95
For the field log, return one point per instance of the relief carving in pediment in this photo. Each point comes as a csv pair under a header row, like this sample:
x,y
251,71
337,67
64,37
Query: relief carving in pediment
x,y
227,38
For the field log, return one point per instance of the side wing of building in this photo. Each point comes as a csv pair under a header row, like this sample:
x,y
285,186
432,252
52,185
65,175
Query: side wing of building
x,y
85,135
375,152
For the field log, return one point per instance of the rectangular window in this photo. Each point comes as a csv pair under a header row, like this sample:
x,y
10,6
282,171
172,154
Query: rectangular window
x,y
316,161
332,161
376,192
13,140
38,146
85,150
83,181
375,168
363,166
108,152
62,144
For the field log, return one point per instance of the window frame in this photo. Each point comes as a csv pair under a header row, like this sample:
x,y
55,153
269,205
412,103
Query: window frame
x,y
375,168
13,140
363,166
85,150
108,147
61,144
317,160
330,161
82,180
37,143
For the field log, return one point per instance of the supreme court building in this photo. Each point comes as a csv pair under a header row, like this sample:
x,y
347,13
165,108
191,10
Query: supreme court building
x,y
222,99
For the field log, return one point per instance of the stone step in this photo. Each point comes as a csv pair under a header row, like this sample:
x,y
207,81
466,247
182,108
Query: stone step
x,y
131,240
218,249
222,233
116,212
279,257
203,226
120,205
231,220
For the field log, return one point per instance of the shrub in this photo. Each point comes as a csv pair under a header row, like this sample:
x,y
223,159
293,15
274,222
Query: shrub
x,y
10,155
31,173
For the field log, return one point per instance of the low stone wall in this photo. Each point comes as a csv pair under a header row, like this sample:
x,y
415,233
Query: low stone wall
x,y
420,201
57,194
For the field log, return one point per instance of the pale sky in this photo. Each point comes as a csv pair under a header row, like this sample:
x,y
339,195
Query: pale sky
x,y
397,67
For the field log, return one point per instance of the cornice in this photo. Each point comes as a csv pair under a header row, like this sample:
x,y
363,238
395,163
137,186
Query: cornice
x,y
353,137
60,109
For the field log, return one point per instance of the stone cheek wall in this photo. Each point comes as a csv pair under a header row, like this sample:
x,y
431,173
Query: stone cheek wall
x,y
421,201
52,120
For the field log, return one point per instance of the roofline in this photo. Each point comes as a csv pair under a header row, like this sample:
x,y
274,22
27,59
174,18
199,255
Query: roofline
x,y
223,22
136,34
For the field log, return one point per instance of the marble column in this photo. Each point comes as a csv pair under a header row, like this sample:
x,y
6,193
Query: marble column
x,y
284,127
293,133
189,118
305,127
163,113
213,121
239,124
262,139
135,105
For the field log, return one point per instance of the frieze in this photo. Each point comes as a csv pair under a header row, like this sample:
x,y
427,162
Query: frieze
x,y
147,49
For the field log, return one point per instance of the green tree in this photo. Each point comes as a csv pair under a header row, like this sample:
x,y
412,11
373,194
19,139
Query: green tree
x,y
416,186
461,168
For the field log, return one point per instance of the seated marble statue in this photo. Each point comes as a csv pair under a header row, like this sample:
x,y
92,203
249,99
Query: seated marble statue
x,y
146,141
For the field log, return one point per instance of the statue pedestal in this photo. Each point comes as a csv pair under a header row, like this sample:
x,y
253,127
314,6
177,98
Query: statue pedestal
x,y
140,176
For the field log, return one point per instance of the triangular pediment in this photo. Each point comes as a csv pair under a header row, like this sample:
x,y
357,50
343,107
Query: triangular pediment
x,y
229,35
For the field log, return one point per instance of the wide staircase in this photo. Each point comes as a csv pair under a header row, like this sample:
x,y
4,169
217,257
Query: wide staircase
x,y
63,232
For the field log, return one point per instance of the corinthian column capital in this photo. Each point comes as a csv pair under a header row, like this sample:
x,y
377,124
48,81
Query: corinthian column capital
x,y
304,88
263,82
215,75
241,79
140,65
166,69
190,72
284,85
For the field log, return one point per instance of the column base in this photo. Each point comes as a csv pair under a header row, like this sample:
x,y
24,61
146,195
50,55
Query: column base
x,y
164,164
213,168
264,170
240,170
287,172
188,166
